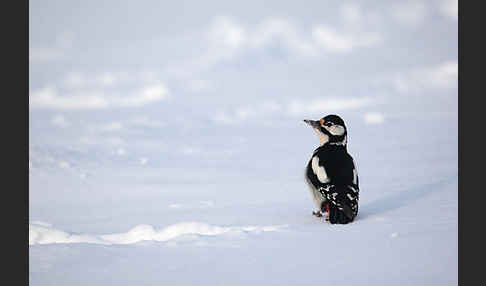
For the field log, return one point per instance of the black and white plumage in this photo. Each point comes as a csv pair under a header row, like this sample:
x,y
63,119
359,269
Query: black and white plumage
x,y
331,172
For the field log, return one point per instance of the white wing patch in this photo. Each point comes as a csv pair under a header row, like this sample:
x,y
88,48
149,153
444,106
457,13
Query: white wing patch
x,y
319,171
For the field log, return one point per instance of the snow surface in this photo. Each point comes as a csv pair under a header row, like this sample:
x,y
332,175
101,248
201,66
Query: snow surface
x,y
43,233
128,223
167,147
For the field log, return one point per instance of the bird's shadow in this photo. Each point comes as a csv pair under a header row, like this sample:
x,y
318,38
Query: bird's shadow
x,y
397,200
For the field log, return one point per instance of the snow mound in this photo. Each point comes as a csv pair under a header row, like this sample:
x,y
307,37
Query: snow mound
x,y
44,233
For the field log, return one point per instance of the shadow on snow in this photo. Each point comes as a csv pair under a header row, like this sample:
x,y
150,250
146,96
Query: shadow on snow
x,y
397,200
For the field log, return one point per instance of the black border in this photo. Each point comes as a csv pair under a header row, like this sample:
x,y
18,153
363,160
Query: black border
x,y
14,25
471,166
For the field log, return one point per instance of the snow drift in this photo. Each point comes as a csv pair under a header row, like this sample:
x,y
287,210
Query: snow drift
x,y
44,233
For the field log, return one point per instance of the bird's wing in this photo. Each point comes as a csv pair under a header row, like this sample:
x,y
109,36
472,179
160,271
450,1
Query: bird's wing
x,y
337,180
316,171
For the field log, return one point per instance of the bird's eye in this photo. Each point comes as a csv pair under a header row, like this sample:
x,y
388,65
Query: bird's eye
x,y
328,123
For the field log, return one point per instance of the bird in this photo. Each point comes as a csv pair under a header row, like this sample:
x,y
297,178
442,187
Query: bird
x,y
331,172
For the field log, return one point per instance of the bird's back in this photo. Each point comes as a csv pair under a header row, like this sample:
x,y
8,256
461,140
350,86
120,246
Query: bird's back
x,y
337,163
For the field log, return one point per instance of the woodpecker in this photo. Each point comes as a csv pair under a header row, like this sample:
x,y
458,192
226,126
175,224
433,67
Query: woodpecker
x,y
331,172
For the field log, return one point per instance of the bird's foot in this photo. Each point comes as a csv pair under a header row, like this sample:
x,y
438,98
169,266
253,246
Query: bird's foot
x,y
317,213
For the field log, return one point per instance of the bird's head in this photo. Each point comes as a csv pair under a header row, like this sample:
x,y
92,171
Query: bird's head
x,y
330,129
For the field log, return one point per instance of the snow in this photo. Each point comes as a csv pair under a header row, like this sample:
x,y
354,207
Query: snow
x,y
191,223
374,118
43,233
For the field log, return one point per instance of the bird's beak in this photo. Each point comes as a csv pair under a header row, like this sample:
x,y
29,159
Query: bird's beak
x,y
312,123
